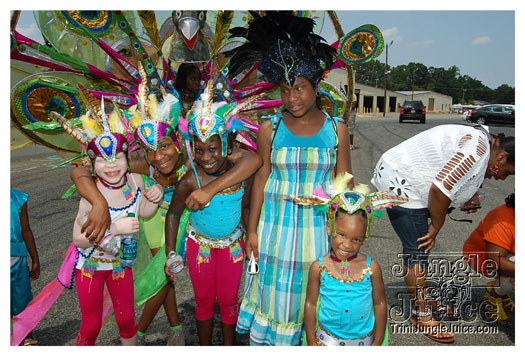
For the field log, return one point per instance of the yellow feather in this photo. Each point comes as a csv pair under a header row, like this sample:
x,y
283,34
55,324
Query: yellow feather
x,y
152,105
114,123
340,183
362,188
91,127
134,118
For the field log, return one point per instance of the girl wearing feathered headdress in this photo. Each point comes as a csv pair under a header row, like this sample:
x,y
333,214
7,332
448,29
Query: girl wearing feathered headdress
x,y
345,299
108,262
214,245
161,159
301,149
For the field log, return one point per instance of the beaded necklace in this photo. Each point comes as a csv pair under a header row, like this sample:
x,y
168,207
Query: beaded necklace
x,y
345,267
129,194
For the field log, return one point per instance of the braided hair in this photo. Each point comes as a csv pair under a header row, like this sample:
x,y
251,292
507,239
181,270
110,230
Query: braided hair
x,y
509,201
506,143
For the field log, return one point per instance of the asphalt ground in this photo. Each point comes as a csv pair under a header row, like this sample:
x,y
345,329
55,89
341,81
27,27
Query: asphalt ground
x,y
51,220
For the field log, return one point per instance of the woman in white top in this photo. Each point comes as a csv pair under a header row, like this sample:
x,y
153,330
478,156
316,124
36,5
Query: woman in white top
x,y
439,167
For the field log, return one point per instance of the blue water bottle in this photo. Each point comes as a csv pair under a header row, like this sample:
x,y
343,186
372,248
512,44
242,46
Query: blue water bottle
x,y
128,249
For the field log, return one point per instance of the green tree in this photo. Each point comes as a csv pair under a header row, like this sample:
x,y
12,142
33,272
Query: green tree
x,y
504,94
416,76
370,73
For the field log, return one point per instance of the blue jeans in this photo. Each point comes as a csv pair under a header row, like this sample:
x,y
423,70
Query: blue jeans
x,y
410,225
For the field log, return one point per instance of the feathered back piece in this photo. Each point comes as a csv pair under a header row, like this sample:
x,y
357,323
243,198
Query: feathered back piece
x,y
284,46
207,118
152,120
338,197
105,135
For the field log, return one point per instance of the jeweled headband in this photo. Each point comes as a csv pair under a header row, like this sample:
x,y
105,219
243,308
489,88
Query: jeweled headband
x,y
107,146
284,46
338,197
208,118
153,120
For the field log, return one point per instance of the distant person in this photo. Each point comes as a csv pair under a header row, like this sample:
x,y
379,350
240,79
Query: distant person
x,y
351,121
436,168
494,239
22,245
187,84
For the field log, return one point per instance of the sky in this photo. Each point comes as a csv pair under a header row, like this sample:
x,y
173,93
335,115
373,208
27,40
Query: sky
x,y
479,43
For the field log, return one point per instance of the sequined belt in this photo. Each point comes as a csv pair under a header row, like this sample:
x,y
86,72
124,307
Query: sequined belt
x,y
324,338
215,243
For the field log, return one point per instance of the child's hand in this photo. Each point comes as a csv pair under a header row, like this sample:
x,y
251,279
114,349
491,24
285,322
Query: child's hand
x,y
125,226
34,273
172,276
198,199
97,222
154,193
252,246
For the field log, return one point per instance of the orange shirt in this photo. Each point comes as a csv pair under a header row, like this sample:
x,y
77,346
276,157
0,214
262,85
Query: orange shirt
x,y
498,228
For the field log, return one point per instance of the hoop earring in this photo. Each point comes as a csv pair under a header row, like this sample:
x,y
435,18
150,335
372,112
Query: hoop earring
x,y
494,169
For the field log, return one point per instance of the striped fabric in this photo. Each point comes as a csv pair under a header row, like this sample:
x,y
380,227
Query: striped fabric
x,y
291,237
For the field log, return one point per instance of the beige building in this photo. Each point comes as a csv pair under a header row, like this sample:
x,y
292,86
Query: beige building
x,y
371,99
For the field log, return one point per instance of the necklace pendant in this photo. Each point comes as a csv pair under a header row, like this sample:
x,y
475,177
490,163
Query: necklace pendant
x,y
345,269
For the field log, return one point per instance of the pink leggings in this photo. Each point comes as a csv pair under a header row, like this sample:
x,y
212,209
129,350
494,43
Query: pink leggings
x,y
90,295
217,280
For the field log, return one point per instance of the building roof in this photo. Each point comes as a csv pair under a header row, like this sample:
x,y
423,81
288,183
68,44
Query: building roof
x,y
409,92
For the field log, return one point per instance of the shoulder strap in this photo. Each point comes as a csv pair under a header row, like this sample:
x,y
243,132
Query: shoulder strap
x,y
368,261
151,168
334,126
320,268
275,126
336,147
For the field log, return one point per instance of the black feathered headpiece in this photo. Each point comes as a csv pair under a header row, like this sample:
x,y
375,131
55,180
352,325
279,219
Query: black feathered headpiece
x,y
284,46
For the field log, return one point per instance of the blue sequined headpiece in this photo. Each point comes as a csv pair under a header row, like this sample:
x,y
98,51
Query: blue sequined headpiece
x,y
284,46
288,61
208,118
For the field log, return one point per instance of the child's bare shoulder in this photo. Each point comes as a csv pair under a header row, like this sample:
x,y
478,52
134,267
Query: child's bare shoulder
x,y
189,181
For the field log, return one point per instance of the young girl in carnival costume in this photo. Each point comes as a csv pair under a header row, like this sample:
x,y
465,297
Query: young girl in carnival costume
x,y
162,161
103,264
214,244
300,150
345,300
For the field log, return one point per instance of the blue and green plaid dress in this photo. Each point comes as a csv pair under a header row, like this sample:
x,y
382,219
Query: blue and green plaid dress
x,y
291,236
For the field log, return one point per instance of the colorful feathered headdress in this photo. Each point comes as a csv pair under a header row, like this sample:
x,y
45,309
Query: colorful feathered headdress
x,y
338,197
207,118
284,46
152,120
101,134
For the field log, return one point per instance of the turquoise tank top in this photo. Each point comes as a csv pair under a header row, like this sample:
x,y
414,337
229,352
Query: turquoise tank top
x,y
346,309
219,219
325,138
18,246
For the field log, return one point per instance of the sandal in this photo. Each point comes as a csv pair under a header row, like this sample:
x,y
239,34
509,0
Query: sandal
x,y
30,342
176,337
429,330
508,304
495,309
444,310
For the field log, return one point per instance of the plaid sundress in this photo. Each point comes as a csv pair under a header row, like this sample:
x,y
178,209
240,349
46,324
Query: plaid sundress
x,y
291,237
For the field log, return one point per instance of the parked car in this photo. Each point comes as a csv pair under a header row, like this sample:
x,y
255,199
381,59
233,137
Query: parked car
x,y
413,110
491,114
